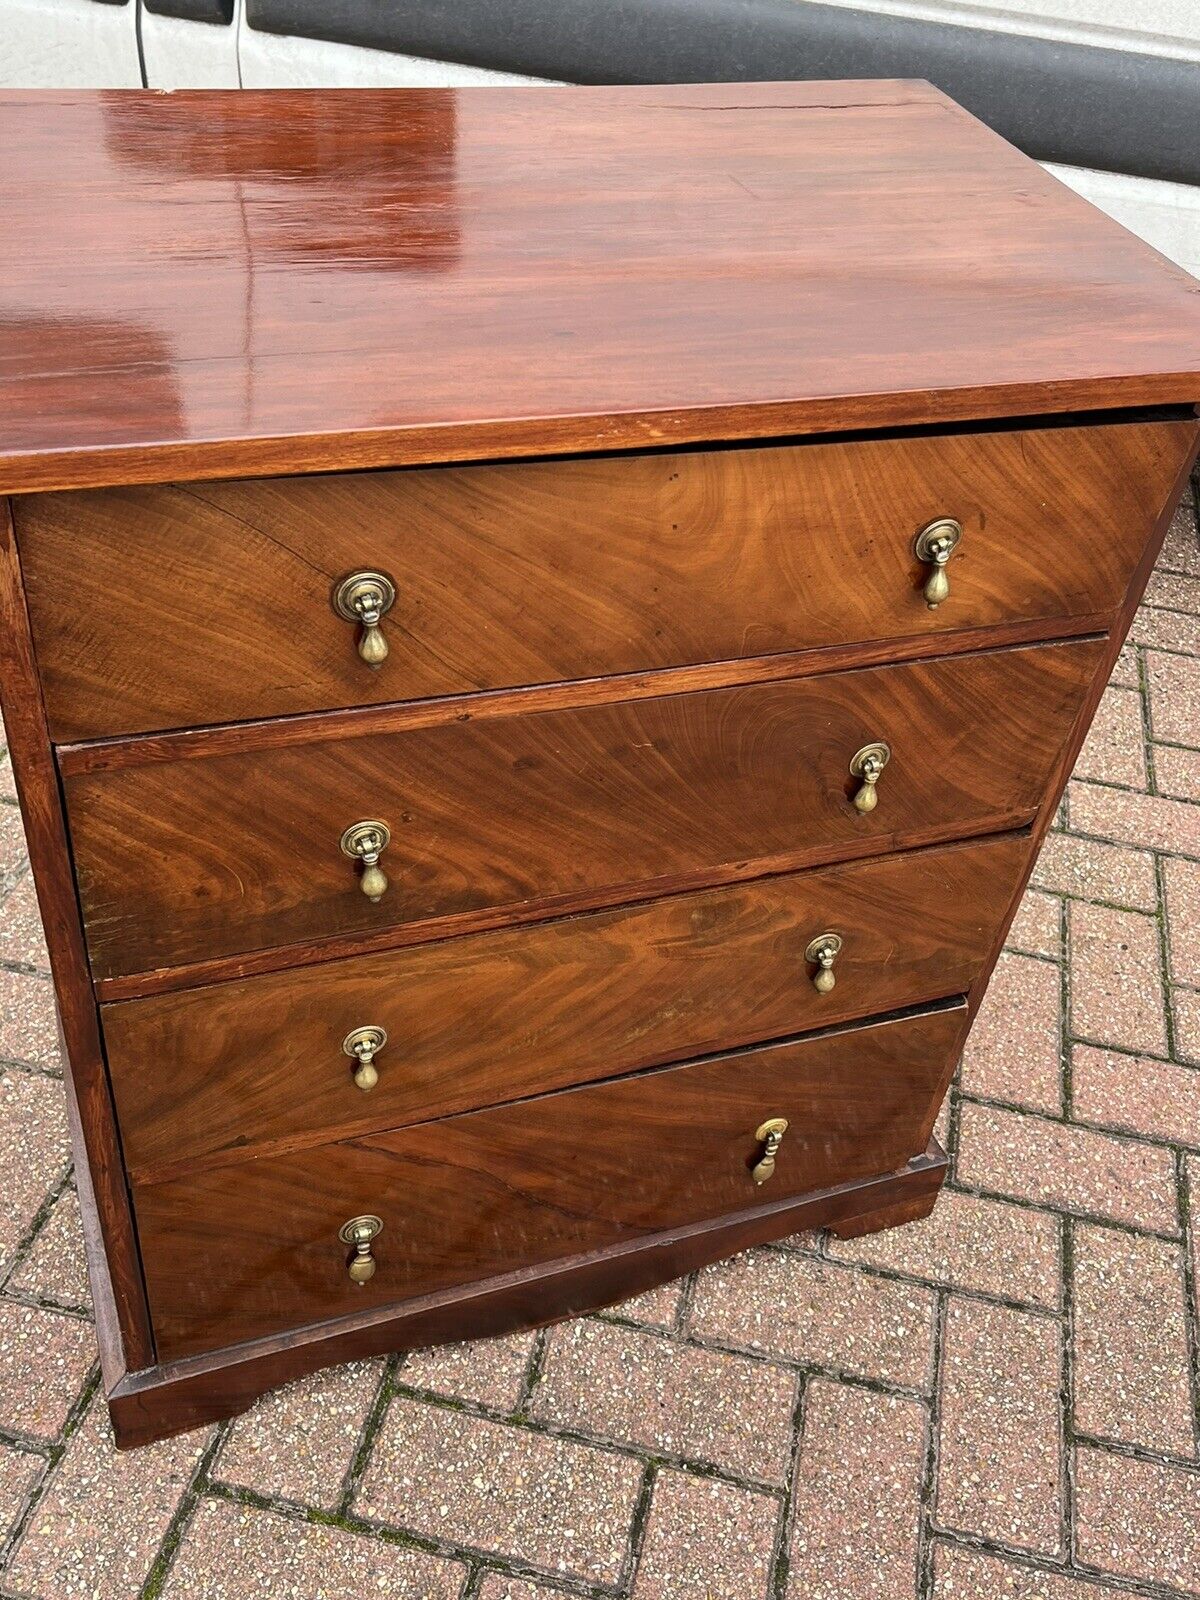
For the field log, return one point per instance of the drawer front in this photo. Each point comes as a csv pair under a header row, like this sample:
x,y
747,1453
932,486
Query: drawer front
x,y
238,1252
491,1017
180,606
211,856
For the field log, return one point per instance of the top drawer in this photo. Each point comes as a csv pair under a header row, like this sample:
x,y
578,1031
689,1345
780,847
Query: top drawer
x,y
182,606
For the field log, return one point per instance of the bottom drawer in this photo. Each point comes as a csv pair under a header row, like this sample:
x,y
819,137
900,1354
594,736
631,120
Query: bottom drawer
x,y
244,1251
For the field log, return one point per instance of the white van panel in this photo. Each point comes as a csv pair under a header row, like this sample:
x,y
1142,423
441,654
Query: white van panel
x,y
68,44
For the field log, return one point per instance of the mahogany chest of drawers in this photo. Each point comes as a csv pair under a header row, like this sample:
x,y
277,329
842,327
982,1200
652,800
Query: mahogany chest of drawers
x,y
542,631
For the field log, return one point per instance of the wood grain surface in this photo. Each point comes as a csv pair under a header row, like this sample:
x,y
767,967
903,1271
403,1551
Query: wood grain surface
x,y
629,662
239,738
236,1253
196,859
1056,785
188,1393
210,603
213,1074
209,284
104,1192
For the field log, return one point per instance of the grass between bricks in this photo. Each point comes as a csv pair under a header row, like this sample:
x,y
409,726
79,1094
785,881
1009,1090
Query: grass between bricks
x,y
929,1475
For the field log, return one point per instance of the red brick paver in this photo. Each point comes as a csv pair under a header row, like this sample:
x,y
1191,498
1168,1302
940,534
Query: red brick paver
x,y
1139,1519
54,1269
1113,751
1037,926
22,942
1071,1168
723,1410
562,1506
1123,817
99,1526
1000,1402
44,1358
858,1493
490,1372
657,1308
1183,919
243,1553
1177,772
1089,869
965,1574
20,1472
1177,590
1014,1051
34,1151
1155,1098
999,1468
1185,1009
1175,688
1159,628
1180,552
28,1029
705,1540
299,1443
501,1586
1116,978
1011,1252
1131,1340
819,1313
1126,674
12,844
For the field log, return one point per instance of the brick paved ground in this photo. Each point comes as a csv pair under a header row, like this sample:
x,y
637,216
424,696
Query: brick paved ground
x,y
1000,1402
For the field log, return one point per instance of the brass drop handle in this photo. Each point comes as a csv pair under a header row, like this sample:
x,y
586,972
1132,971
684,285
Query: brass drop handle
x,y
770,1136
934,546
822,952
360,1233
362,1046
366,598
867,764
366,842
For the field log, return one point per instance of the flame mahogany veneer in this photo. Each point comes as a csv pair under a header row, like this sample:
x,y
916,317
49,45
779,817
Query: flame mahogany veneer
x,y
638,400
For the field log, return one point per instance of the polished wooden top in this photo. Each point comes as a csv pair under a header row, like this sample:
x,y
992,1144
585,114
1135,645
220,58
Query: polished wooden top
x,y
209,284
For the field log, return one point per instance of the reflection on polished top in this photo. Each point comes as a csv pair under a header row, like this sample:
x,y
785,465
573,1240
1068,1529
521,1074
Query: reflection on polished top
x,y
214,283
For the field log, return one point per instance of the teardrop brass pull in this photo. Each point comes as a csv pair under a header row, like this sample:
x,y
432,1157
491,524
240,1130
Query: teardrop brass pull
x,y
366,842
363,1045
867,764
361,1233
934,546
823,952
770,1136
366,598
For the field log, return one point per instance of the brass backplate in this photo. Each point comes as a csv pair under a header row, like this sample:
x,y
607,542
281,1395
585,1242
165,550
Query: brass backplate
x,y
831,942
351,589
879,749
359,833
365,1228
777,1125
945,528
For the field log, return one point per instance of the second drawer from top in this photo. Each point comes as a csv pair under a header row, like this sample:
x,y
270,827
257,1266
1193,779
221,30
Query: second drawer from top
x,y
182,861
183,606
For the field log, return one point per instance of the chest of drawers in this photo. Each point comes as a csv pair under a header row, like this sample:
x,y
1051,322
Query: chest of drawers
x,y
542,632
